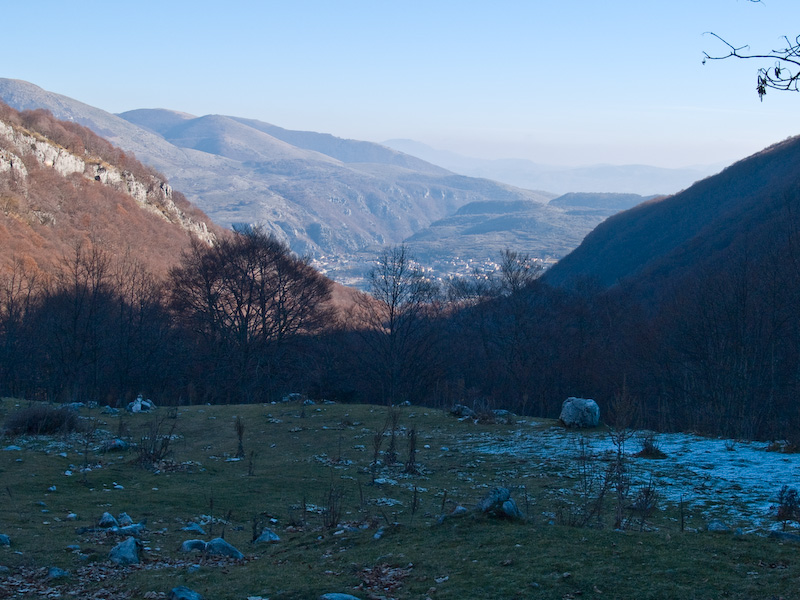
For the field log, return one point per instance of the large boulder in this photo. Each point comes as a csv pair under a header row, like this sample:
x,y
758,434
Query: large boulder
x,y
219,547
125,553
579,412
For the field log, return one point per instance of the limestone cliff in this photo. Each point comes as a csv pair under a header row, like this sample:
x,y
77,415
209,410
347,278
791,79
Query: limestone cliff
x,y
151,193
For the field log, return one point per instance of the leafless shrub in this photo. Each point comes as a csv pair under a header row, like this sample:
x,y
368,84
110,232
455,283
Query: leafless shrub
x,y
332,507
594,484
788,507
650,447
155,445
377,442
411,462
239,426
42,419
393,421
644,502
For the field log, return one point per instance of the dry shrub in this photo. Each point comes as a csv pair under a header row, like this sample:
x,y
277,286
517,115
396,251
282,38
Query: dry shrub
x,y
42,419
650,447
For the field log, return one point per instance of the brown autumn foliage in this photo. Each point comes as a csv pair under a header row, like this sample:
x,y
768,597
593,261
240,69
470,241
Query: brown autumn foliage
x,y
44,215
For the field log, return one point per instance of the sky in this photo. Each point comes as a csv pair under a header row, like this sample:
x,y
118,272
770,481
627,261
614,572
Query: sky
x,y
559,82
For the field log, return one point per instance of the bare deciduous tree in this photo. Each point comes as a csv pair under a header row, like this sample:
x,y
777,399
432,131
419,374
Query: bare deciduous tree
x,y
246,298
397,324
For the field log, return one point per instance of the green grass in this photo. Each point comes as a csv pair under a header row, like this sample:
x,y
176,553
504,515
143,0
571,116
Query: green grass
x,y
299,456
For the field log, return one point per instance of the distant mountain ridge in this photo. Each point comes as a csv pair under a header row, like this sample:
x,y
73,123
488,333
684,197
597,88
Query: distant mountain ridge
x,y
333,199
633,179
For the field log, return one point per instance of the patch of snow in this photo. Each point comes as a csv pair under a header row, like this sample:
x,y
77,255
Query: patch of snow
x,y
734,481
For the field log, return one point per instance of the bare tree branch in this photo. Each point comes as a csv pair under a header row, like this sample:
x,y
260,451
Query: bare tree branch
x,y
783,75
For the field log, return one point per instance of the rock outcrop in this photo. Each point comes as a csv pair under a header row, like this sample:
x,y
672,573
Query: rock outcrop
x,y
580,413
152,193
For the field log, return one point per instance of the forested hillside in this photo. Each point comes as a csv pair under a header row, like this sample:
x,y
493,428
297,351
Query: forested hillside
x,y
701,334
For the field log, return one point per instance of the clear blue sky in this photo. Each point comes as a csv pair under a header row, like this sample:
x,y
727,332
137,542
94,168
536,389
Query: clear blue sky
x,y
555,81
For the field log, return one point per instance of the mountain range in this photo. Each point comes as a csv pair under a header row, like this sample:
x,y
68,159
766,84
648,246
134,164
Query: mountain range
x,y
632,179
336,200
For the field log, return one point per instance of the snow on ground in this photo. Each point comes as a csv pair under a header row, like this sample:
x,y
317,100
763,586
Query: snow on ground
x,y
734,481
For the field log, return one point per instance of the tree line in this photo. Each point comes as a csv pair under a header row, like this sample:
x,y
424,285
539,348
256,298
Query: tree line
x,y
247,321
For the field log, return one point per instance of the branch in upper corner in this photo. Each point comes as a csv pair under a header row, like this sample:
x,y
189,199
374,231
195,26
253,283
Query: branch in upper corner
x,y
784,75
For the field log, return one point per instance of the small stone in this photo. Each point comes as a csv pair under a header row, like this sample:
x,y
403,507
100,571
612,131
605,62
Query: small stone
x,y
57,573
193,546
195,527
4,540
717,526
267,536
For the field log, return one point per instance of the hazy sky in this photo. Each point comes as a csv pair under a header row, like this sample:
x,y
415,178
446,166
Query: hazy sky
x,y
555,81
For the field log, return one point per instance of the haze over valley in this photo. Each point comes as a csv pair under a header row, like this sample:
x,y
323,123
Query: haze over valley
x,y
340,201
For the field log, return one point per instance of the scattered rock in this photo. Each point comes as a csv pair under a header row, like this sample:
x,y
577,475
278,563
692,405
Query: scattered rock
x,y
114,445
267,536
462,411
124,520
56,573
717,526
458,511
125,553
109,410
503,417
140,405
12,448
108,520
183,593
499,504
134,530
193,546
510,509
336,596
4,540
219,547
195,527
580,413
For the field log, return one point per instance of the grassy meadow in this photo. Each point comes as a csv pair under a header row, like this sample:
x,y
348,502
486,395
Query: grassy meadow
x,y
346,524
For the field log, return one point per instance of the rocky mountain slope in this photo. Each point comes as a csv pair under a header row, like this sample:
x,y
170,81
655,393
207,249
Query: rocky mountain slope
x,y
61,186
334,199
